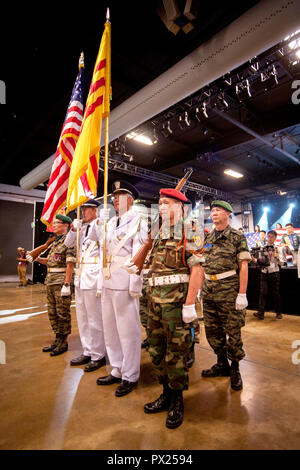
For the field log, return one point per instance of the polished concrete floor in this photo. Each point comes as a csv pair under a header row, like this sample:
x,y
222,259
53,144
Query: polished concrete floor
x,y
46,404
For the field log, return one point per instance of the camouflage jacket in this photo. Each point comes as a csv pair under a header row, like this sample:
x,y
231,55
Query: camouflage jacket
x,y
58,257
169,255
222,253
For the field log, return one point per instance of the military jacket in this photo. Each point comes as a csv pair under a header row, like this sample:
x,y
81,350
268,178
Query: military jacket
x,y
58,257
295,242
222,253
170,256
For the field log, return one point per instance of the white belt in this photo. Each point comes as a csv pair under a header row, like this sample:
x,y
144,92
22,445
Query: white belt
x,y
217,277
56,270
91,260
117,259
171,279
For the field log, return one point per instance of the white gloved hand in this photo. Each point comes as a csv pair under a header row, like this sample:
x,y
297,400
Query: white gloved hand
x,y
189,313
135,295
77,223
130,267
29,258
241,302
104,214
65,290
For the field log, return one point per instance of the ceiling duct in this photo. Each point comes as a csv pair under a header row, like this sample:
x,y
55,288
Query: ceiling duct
x,y
261,27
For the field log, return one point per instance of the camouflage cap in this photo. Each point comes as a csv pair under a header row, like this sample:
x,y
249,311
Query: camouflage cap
x,y
64,218
225,205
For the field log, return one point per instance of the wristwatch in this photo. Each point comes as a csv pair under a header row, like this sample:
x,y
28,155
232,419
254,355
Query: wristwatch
x,y
66,284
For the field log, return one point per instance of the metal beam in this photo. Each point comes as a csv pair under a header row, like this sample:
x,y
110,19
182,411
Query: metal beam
x,y
254,134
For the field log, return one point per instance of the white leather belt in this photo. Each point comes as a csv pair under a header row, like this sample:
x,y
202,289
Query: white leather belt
x,y
56,270
91,260
171,279
117,259
217,277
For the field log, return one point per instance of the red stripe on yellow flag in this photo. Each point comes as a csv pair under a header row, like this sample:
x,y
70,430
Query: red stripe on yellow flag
x,y
84,169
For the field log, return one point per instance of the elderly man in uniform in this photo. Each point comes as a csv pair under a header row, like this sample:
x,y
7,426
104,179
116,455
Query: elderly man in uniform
x,y
174,273
60,264
126,233
225,276
88,305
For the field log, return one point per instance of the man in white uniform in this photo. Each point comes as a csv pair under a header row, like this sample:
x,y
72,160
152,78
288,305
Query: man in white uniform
x,y
126,233
88,305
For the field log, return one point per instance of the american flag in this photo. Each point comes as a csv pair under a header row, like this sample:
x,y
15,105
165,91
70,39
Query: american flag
x,y
59,179
252,238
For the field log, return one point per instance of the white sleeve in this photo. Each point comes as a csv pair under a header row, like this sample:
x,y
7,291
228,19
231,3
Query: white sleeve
x,y
71,238
136,281
96,230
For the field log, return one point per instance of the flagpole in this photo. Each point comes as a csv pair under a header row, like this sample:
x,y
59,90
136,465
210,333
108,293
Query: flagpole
x,y
80,66
106,171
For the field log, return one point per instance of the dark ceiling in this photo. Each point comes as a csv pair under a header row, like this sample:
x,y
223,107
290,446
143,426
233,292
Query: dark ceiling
x,y
39,66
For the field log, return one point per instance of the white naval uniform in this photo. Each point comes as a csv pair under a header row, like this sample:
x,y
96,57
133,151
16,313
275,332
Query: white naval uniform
x,y
88,305
121,320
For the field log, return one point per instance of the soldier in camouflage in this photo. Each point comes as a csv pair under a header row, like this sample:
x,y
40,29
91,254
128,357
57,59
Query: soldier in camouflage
x,y
60,264
224,275
174,273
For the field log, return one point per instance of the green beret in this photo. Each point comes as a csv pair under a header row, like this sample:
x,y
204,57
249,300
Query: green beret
x,y
64,218
225,205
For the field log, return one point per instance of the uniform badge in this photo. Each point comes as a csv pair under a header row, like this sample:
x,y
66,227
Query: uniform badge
x,y
117,185
198,240
244,244
56,257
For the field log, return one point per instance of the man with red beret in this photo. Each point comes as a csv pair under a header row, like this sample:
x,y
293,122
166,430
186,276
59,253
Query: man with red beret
x,y
174,273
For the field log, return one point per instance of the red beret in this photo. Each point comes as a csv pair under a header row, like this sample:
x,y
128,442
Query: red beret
x,y
173,193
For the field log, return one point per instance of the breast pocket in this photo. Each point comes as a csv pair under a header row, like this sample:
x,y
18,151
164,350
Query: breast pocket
x,y
171,255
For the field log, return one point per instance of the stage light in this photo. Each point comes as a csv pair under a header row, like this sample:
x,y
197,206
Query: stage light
x,y
144,139
166,129
233,173
266,209
292,205
263,221
184,121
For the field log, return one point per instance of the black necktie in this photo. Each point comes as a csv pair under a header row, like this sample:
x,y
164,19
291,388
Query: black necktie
x,y
118,221
87,230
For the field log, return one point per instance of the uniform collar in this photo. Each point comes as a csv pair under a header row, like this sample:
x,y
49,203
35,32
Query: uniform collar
x,y
58,237
225,232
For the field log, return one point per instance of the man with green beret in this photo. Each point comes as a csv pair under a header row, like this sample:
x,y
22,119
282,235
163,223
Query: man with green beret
x,y
224,277
60,264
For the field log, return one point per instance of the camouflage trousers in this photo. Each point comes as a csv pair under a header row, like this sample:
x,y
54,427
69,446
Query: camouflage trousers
x,y
223,325
169,341
59,310
144,308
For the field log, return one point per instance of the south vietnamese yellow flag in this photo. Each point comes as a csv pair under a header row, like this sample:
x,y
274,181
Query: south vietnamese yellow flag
x,y
84,169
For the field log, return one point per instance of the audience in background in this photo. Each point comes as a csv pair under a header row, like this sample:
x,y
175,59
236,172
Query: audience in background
x,y
262,239
257,228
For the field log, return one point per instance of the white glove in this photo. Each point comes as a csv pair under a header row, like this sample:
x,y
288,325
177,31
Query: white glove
x,y
104,214
130,267
77,223
189,313
135,295
65,290
241,302
29,258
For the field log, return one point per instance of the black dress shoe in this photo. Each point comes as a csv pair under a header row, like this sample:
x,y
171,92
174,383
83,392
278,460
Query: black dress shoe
x,y
94,365
162,403
79,360
108,380
258,315
60,349
124,388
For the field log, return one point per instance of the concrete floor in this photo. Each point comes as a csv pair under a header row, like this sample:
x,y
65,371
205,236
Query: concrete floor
x,y
46,404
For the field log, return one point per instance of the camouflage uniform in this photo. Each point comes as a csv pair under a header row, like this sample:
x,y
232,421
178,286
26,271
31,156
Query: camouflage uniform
x,y
169,337
59,306
222,253
144,303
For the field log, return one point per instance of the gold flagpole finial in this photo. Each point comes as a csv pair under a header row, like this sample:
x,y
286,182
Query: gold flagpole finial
x,y
107,15
81,61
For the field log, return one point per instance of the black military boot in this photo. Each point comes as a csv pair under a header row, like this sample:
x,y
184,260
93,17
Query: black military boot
x,y
175,415
52,346
190,357
162,403
61,347
221,369
235,376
